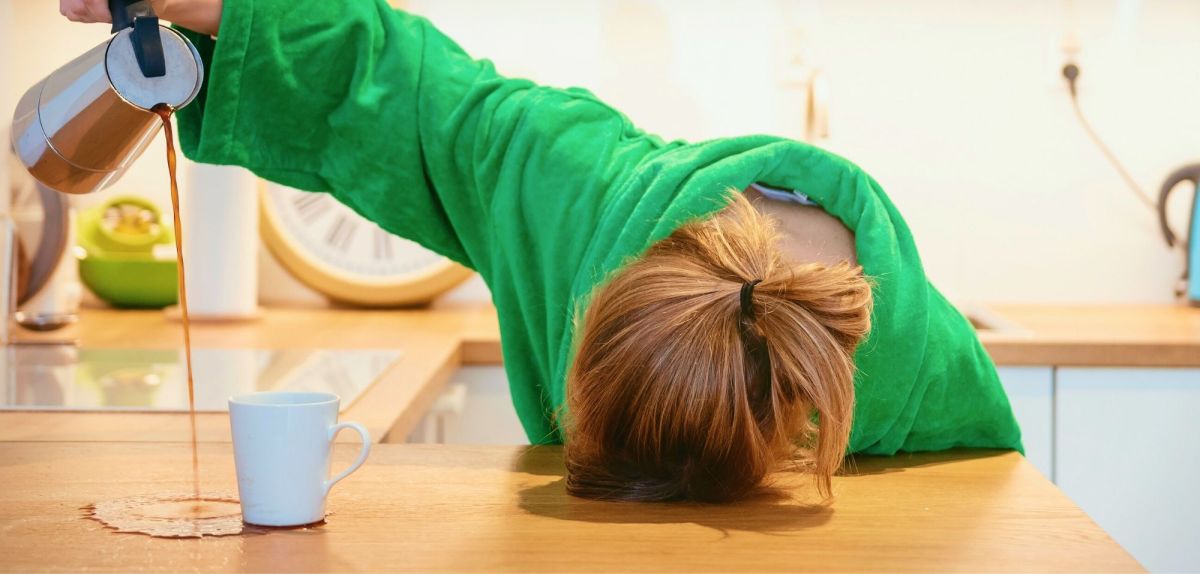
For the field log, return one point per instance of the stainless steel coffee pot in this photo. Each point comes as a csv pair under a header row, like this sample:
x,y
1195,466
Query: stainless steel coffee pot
x,y
81,127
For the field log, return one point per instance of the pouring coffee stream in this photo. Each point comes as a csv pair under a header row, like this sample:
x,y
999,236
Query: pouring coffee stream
x,y
164,111
79,129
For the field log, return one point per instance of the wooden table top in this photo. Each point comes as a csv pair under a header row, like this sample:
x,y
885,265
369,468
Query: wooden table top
x,y
464,509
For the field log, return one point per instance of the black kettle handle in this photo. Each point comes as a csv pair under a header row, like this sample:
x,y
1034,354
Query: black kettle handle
x,y
1186,173
147,43
122,16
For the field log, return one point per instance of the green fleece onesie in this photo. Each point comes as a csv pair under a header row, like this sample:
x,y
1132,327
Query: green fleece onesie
x,y
546,191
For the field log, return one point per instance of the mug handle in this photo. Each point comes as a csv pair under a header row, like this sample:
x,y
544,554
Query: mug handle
x,y
362,453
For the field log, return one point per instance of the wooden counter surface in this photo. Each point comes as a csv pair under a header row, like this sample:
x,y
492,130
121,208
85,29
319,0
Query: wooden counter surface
x,y
464,509
1096,335
1076,335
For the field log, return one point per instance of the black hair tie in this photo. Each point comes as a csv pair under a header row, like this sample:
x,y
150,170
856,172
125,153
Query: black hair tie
x,y
757,353
748,300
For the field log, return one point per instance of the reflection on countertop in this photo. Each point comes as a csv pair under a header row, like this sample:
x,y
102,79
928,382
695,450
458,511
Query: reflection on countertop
x,y
66,377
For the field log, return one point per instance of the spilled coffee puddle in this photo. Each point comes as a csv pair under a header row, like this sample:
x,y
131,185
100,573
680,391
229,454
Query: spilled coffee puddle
x,y
171,516
180,516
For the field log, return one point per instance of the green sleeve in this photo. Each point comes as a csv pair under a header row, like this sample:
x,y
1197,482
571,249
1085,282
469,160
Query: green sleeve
x,y
393,118
960,401
324,96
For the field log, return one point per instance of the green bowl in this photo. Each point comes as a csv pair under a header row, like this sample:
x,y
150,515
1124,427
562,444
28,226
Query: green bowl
x,y
131,282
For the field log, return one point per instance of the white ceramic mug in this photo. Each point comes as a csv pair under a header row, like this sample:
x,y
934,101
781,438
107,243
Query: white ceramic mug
x,y
281,446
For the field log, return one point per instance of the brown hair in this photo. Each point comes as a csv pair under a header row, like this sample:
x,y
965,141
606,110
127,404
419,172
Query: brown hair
x,y
663,398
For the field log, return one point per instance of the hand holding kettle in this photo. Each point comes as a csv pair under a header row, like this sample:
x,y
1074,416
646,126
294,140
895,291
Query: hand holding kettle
x,y
79,129
203,16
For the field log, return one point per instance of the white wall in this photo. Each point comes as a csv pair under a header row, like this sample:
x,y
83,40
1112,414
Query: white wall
x,y
955,106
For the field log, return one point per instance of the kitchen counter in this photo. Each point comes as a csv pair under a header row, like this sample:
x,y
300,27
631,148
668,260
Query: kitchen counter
x,y
433,344
436,342
463,509
1095,335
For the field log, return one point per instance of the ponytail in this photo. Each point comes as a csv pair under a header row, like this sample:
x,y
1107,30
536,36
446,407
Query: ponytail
x,y
701,365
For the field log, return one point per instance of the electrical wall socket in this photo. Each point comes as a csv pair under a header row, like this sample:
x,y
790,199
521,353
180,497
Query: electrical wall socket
x,y
1058,54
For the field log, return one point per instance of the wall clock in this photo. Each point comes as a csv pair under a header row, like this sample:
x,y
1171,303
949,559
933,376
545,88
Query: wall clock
x,y
337,252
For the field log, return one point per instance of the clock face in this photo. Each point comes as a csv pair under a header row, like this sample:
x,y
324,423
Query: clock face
x,y
341,238
338,252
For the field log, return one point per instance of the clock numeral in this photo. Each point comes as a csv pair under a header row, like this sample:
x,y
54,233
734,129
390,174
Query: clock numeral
x,y
383,244
311,206
341,233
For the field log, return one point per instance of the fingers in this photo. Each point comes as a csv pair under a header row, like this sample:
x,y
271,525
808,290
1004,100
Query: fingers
x,y
86,11
98,10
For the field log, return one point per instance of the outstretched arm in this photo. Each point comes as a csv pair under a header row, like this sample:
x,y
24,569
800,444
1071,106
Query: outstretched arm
x,y
382,110
541,190
354,98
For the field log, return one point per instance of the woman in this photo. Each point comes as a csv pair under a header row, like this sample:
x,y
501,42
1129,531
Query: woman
x,y
680,340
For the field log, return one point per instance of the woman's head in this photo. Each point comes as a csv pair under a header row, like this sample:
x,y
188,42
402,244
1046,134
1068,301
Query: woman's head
x,y
670,395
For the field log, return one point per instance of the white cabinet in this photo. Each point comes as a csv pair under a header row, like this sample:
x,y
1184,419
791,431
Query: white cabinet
x,y
1031,392
475,408
1128,452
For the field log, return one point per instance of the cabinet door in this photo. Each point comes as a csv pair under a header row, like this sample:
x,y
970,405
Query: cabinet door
x,y
1128,452
475,408
1031,392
